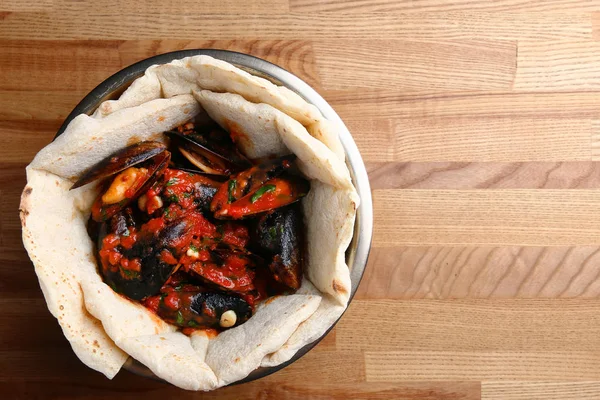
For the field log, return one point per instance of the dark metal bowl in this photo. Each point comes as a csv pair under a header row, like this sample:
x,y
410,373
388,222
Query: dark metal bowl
x,y
358,251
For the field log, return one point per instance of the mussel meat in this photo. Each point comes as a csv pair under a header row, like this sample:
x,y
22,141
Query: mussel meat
x,y
259,189
137,262
136,168
186,189
226,267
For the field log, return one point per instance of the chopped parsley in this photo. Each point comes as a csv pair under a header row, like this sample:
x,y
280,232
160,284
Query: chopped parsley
x,y
172,181
260,192
128,274
272,233
179,319
230,189
193,324
194,248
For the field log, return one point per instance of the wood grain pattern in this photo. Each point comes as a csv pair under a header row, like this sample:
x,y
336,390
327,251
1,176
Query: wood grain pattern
x,y
481,365
479,327
484,175
297,56
561,65
482,272
66,25
465,65
500,139
376,104
495,217
479,122
541,390
407,6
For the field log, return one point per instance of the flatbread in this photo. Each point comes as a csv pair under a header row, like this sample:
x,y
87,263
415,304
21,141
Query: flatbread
x,y
263,131
310,330
237,352
49,218
104,327
203,72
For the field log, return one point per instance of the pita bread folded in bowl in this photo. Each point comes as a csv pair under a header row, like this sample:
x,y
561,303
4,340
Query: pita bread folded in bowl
x,y
106,329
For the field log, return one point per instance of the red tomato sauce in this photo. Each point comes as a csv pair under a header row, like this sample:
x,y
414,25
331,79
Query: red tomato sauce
x,y
213,253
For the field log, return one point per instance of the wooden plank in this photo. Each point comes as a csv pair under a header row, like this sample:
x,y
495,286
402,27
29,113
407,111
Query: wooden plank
x,y
595,140
392,366
496,330
502,139
560,65
412,65
56,66
267,388
67,25
27,6
21,140
486,217
296,56
482,139
181,7
374,137
408,6
60,365
596,25
482,175
38,105
540,390
389,104
438,272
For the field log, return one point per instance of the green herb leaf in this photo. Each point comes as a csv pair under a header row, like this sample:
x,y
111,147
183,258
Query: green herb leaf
x,y
273,233
187,195
179,319
193,324
264,189
128,274
230,189
173,198
194,248
172,181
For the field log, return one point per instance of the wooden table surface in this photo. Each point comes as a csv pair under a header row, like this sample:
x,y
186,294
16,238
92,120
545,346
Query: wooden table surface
x,y
479,122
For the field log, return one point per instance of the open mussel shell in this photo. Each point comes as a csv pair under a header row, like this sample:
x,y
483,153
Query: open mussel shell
x,y
275,193
121,160
250,180
134,284
211,151
227,269
102,211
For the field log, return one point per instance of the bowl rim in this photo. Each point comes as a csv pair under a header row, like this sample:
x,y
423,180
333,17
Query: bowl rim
x,y
360,245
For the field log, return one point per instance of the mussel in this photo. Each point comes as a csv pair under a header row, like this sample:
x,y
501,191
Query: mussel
x,y
136,168
259,189
225,267
137,262
192,307
278,234
210,149
187,189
